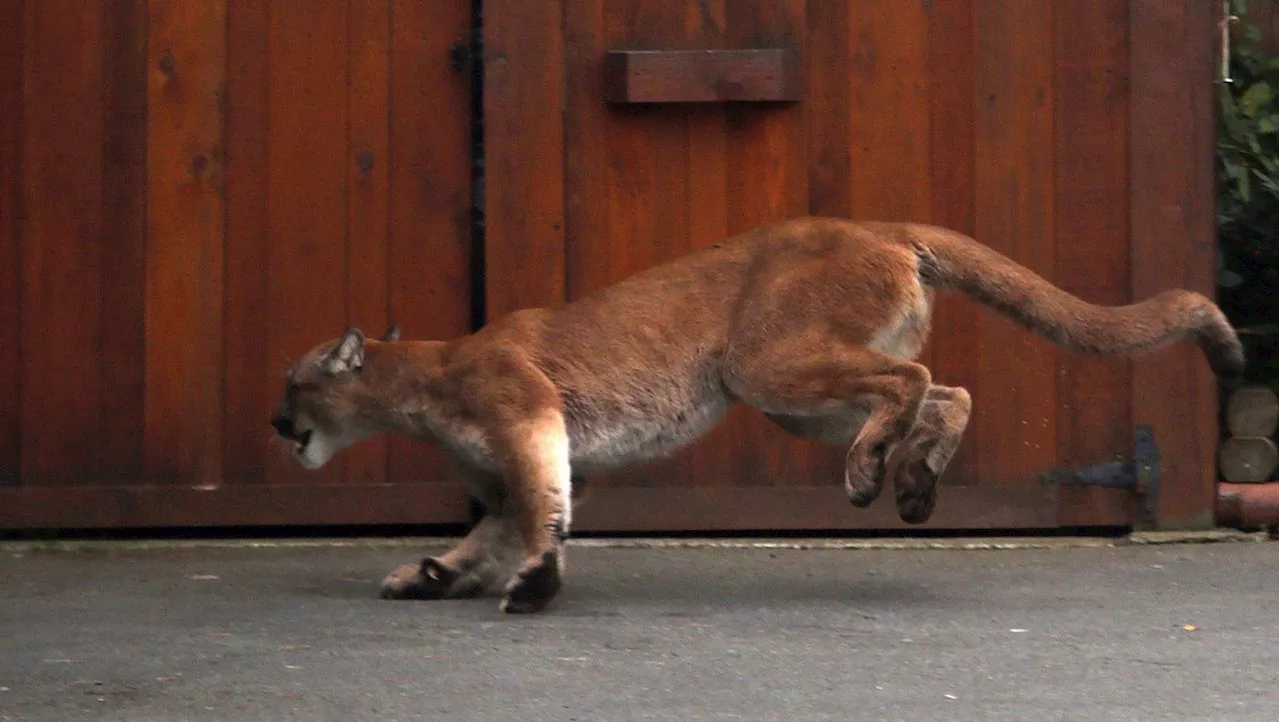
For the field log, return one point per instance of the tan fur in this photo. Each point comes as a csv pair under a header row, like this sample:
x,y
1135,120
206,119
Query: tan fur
x,y
815,322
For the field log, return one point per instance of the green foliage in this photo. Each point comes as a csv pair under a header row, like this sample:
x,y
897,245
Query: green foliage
x,y
1247,195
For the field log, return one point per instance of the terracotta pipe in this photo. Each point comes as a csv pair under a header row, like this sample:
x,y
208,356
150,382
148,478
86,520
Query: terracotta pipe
x,y
1247,506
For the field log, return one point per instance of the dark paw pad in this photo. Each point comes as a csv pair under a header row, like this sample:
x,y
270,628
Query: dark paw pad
x,y
429,580
534,585
917,493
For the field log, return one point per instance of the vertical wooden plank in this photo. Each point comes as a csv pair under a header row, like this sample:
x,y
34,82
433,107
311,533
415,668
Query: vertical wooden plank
x,y
369,68
888,111
827,108
12,27
253,380
1091,230
1013,178
952,96
307,156
124,231
707,194
524,154
62,245
1171,217
429,247
186,58
589,248
647,188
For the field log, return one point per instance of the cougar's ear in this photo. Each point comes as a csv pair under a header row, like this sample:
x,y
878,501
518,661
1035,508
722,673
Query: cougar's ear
x,y
347,355
392,334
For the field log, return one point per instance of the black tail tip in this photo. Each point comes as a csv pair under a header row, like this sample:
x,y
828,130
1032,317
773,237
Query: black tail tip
x,y
1227,360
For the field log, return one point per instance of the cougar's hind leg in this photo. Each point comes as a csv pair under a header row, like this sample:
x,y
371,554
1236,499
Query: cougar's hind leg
x,y
921,459
841,383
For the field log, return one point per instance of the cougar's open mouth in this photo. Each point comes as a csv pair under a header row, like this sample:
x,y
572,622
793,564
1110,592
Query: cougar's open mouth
x,y
301,441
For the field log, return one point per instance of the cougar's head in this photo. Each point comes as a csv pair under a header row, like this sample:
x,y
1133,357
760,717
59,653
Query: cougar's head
x,y
320,413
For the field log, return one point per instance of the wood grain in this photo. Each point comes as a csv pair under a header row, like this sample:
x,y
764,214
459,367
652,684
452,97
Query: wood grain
x,y
186,59
12,112
234,505
524,146
1013,180
588,240
253,380
124,238
1171,220
1091,230
888,111
827,108
367,282
703,76
62,243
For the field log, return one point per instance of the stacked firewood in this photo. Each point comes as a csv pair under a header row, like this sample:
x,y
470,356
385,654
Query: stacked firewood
x,y
1249,455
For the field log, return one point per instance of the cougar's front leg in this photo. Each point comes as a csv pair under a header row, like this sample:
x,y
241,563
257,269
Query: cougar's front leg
x,y
538,503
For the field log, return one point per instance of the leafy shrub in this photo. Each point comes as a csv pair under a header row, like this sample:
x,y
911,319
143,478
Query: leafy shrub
x,y
1247,199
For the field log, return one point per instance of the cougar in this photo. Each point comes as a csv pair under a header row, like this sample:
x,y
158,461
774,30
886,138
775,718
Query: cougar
x,y
813,321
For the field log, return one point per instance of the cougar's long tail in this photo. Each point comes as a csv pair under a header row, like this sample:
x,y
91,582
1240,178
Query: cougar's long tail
x,y
951,260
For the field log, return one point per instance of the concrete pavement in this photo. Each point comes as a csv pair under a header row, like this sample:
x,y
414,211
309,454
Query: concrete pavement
x,y
1171,632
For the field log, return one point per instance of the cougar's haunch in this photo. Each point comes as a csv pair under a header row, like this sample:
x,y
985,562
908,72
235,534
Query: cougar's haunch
x,y
814,321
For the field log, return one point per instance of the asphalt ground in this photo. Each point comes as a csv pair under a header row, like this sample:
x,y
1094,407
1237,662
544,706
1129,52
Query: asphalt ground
x,y
245,632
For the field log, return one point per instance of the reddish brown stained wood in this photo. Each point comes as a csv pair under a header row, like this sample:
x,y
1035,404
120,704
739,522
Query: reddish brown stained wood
x,y
826,107
1091,231
368,72
701,76
952,109
817,508
124,232
171,505
11,195
889,111
62,243
589,248
524,155
1014,399
1171,196
184,289
253,380
429,245
306,193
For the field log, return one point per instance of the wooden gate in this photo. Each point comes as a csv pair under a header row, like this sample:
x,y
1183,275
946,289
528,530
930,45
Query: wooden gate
x,y
1075,137
195,193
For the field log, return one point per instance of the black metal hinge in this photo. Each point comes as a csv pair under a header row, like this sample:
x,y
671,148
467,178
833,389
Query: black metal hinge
x,y
1140,473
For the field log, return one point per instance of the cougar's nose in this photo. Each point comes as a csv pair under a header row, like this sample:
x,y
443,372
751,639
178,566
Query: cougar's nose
x,y
283,426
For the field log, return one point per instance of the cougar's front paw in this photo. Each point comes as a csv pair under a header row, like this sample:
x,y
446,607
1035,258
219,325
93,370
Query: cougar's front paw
x,y
864,476
534,585
432,579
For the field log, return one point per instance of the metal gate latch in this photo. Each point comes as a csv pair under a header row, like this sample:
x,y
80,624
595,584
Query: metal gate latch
x,y
1141,474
